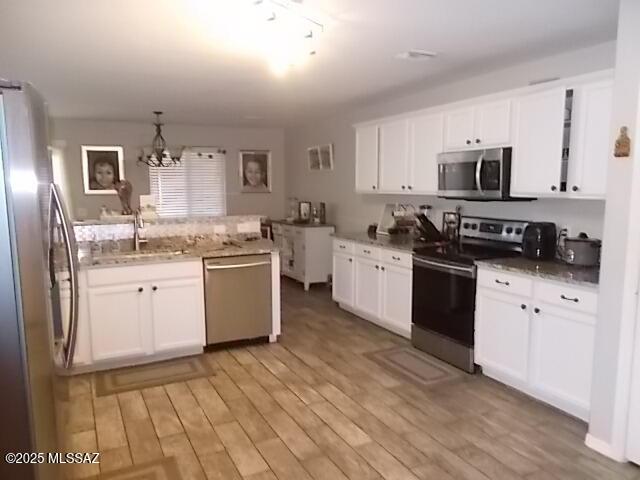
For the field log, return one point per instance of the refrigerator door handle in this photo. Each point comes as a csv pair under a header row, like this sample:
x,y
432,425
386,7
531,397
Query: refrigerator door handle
x,y
58,210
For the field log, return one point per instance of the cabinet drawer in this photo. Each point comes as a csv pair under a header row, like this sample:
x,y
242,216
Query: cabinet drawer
x,y
143,273
343,246
393,257
567,296
367,251
505,282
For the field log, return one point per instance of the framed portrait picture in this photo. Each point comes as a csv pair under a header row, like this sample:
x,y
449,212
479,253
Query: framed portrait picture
x,y
102,168
255,171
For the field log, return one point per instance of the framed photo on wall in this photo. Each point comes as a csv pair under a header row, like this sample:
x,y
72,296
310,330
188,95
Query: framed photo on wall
x,y
255,171
102,168
320,157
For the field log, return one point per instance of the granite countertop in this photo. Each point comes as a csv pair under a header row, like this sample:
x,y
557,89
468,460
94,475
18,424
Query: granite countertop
x,y
403,243
303,225
552,270
177,252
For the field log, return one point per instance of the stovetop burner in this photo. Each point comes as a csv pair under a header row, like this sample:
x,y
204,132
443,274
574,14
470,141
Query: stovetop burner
x,y
461,254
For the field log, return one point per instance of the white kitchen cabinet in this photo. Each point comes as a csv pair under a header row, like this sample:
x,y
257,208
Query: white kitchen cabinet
x,y
426,135
396,298
82,354
485,125
305,250
367,158
394,156
177,311
136,312
540,342
590,145
120,321
562,357
374,283
502,335
343,279
633,434
367,286
492,125
459,129
536,164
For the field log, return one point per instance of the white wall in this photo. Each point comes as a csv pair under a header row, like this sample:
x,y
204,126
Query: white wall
x,y
351,211
71,134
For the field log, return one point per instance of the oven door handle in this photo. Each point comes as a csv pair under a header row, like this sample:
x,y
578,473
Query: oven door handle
x,y
478,171
453,269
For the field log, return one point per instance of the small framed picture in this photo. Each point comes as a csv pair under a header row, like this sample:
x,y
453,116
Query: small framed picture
x,y
102,168
255,171
321,157
314,158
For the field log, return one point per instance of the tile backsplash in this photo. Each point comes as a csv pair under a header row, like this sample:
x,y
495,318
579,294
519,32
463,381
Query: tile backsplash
x,y
97,230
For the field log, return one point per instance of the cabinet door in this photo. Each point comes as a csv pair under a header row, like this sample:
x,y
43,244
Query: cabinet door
x,y
590,150
537,152
393,158
367,158
367,286
396,297
493,124
459,129
343,279
178,313
502,336
633,440
299,252
82,354
426,134
120,321
561,358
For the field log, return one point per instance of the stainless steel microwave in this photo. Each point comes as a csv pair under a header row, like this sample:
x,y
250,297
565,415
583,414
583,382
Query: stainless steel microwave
x,y
475,174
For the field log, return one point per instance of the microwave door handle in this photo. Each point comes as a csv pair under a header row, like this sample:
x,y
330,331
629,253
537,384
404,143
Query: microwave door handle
x,y
478,170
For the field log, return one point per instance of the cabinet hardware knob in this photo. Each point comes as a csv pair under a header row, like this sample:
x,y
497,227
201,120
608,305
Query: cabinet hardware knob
x,y
350,260
477,140
499,282
140,289
395,258
468,142
410,187
154,288
523,306
575,188
569,299
536,310
403,187
377,267
382,268
373,186
553,188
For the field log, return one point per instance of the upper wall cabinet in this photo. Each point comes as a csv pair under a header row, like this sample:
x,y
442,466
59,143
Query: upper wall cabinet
x,y
399,156
367,158
480,126
394,156
537,148
590,146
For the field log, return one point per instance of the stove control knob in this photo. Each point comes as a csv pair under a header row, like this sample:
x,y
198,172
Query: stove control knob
x,y
509,230
466,225
518,231
474,226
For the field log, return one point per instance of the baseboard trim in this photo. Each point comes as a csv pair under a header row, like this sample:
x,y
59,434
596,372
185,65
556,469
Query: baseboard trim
x,y
603,448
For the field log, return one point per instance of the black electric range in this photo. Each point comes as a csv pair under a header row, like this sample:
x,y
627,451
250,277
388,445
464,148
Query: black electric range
x,y
444,286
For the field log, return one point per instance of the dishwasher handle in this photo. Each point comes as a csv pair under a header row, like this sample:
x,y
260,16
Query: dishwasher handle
x,y
235,265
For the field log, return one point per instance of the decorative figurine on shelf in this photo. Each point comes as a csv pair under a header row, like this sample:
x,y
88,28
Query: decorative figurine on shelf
x,y
623,144
124,189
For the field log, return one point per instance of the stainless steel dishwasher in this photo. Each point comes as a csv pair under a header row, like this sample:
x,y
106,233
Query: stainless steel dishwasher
x,y
237,297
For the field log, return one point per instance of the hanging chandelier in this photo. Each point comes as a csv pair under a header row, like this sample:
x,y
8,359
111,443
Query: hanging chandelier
x,y
159,155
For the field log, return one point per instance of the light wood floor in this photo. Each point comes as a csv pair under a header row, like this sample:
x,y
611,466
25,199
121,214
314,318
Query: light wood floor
x,y
314,407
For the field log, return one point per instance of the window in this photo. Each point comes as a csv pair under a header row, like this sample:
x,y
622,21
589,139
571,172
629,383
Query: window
x,y
194,187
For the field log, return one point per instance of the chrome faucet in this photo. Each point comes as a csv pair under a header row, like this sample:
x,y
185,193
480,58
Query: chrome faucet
x,y
138,223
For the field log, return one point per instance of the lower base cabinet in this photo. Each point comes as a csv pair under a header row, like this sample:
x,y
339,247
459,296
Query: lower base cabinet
x,y
376,287
136,311
541,342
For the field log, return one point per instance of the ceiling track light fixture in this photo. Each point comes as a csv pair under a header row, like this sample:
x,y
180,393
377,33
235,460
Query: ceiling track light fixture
x,y
159,155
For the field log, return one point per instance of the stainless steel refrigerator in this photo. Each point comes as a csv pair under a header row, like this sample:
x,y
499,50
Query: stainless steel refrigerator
x,y
38,261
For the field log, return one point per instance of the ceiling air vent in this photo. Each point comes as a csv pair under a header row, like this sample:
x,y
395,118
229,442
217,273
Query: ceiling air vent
x,y
416,54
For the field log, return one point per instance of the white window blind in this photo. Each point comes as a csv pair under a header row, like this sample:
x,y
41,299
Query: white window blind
x,y
194,187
